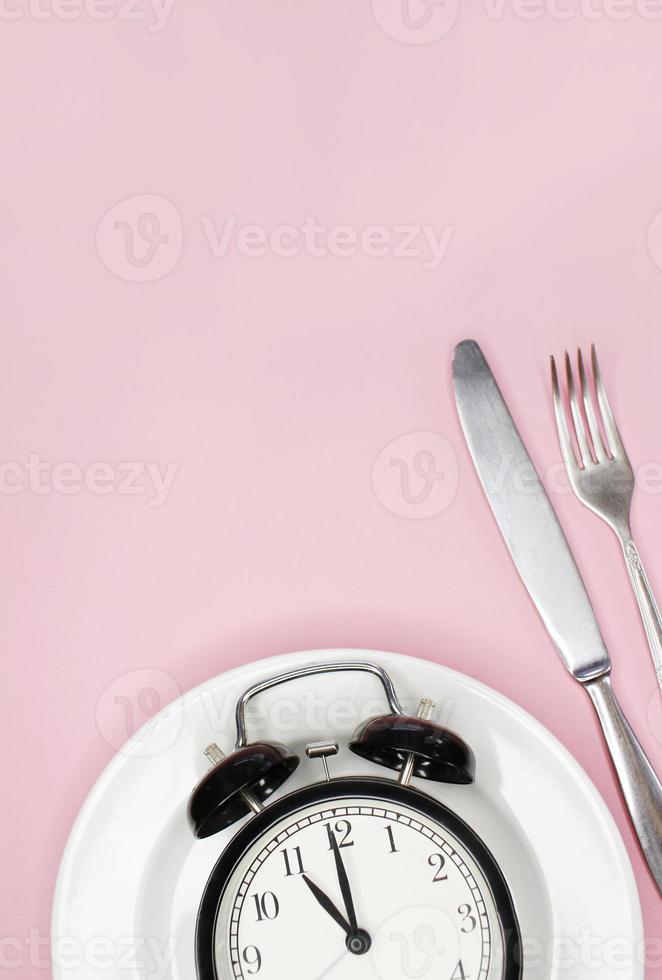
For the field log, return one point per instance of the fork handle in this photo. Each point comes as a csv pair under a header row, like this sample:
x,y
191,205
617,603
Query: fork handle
x,y
640,786
650,613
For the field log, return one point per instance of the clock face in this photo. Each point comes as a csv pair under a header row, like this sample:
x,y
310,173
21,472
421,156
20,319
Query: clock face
x,y
361,886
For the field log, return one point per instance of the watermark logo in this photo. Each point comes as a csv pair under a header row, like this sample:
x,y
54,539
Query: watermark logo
x,y
417,942
141,238
416,475
139,706
416,21
149,957
146,478
426,243
655,239
426,21
654,712
153,13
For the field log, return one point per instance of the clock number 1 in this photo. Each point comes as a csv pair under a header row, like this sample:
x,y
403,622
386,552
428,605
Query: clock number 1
x,y
391,840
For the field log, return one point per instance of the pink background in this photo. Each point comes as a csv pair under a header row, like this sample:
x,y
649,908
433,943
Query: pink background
x,y
273,383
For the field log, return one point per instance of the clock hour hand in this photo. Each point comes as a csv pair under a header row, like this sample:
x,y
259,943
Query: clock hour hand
x,y
358,941
328,905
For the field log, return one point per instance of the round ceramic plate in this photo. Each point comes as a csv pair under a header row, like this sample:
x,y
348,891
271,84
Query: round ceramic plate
x,y
132,874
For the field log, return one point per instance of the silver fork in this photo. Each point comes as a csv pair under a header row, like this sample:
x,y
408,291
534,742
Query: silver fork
x,y
602,478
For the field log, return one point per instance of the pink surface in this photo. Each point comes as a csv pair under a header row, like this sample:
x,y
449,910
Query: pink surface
x,y
263,370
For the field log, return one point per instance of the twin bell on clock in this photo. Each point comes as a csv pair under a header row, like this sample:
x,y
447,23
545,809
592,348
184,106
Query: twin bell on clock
x,y
240,783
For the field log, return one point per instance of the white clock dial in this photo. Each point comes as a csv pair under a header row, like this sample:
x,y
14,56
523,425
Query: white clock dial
x,y
421,905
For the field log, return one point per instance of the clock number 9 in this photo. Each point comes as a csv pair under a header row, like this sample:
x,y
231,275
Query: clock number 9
x,y
438,861
252,957
470,921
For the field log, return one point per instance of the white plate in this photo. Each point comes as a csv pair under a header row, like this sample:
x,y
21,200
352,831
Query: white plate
x,y
132,874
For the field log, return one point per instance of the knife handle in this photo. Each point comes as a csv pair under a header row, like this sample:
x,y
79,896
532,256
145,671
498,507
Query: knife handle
x,y
640,786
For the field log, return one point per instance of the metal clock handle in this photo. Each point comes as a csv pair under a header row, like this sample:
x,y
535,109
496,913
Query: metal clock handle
x,y
309,671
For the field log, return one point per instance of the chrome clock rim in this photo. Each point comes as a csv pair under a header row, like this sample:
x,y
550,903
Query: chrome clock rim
x,y
378,789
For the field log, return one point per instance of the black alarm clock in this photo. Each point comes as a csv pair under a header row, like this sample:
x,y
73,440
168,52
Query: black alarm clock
x,y
349,878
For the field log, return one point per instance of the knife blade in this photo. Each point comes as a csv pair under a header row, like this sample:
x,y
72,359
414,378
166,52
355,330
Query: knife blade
x,y
542,556
525,516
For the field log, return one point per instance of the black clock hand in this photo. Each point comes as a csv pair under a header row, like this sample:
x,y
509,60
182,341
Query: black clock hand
x,y
344,884
328,906
358,941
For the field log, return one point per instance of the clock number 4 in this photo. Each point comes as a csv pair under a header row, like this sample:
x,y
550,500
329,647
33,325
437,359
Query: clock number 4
x,y
266,906
458,972
438,861
293,862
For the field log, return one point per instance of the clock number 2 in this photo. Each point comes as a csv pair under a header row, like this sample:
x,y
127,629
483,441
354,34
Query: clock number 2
x,y
252,957
438,861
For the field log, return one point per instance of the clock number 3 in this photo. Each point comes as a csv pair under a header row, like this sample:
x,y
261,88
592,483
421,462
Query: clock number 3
x,y
469,921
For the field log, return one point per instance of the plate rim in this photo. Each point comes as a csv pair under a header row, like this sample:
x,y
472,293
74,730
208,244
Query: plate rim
x,y
123,755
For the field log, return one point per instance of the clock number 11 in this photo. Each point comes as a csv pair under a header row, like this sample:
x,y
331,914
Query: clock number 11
x,y
293,862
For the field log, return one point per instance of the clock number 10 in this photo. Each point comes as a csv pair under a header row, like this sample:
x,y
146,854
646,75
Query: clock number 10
x,y
266,906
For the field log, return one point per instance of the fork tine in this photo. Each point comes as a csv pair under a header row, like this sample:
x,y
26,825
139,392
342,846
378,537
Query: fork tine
x,y
582,442
596,437
567,448
615,443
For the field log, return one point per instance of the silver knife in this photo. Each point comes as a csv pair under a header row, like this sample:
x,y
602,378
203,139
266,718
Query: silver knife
x,y
545,563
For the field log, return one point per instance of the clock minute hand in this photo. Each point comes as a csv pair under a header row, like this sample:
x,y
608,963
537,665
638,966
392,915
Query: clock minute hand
x,y
328,906
358,940
343,880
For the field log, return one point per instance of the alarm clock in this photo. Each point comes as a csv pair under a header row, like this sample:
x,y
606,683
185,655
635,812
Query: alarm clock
x,y
353,877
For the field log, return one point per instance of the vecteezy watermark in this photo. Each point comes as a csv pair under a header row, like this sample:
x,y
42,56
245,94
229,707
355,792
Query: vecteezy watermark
x,y
141,238
139,706
522,478
284,717
153,13
314,239
416,21
416,475
426,21
124,956
655,239
146,478
139,713
418,942
427,941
